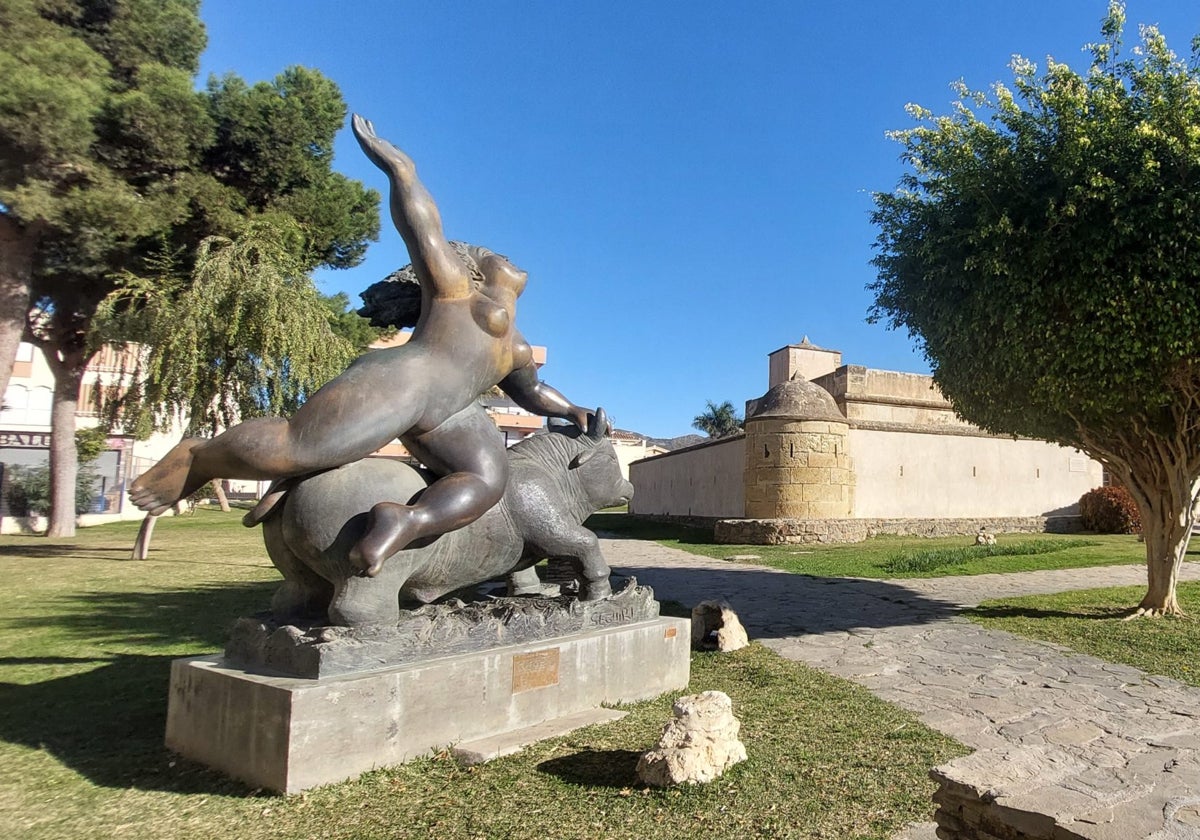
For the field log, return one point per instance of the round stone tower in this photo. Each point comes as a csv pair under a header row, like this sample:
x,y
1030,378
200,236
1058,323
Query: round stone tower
x,y
797,455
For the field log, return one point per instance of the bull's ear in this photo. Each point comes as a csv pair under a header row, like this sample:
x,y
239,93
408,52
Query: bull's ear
x,y
581,459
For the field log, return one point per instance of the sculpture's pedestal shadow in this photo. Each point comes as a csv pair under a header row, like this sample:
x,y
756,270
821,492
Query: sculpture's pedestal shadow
x,y
546,661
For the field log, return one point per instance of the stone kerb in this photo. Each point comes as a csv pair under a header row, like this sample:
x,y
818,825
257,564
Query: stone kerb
x,y
805,530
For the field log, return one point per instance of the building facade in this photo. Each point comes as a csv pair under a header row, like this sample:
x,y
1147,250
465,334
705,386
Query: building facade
x,y
25,433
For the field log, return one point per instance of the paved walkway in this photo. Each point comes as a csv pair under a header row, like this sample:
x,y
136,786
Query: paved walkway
x,y
1115,752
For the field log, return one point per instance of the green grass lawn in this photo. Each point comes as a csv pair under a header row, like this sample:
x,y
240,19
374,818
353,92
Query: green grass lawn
x,y
86,638
899,557
1089,621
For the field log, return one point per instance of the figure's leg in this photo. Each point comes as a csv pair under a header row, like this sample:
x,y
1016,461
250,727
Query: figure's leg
x,y
469,453
346,420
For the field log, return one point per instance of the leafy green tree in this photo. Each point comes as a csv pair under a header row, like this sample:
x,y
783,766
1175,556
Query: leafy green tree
x,y
350,325
718,421
110,157
1045,257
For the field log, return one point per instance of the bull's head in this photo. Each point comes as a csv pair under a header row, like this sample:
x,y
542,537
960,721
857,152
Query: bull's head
x,y
601,480
598,428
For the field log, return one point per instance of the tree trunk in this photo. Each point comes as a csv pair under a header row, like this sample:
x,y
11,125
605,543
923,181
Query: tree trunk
x,y
219,489
64,459
16,264
1167,520
66,358
141,547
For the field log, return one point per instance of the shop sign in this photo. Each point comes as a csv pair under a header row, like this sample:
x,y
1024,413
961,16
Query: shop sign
x,y
25,440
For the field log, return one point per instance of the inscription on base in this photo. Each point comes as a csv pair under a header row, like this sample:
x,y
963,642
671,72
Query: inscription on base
x,y
535,670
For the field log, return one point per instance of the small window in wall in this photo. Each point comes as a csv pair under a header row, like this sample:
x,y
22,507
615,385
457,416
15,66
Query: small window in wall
x,y
26,406
16,401
40,402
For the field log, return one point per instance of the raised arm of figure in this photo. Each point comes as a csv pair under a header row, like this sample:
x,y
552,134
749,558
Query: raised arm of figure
x,y
532,394
439,270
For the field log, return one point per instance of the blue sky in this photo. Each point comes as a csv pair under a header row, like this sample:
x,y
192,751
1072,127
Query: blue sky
x,y
687,184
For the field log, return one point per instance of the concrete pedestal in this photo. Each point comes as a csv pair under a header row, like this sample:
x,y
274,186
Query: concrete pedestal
x,y
289,734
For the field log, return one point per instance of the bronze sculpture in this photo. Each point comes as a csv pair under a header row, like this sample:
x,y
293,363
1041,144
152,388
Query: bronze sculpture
x,y
423,392
556,480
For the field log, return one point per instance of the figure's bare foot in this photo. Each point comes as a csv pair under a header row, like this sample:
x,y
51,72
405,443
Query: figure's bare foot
x,y
168,481
390,528
381,153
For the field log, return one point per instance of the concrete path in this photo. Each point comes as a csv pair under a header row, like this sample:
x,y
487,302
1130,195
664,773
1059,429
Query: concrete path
x,y
1104,749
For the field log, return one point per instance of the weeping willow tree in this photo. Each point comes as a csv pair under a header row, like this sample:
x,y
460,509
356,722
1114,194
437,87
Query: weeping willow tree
x,y
246,334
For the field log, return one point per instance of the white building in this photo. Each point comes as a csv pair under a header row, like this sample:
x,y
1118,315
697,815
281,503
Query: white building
x,y
25,433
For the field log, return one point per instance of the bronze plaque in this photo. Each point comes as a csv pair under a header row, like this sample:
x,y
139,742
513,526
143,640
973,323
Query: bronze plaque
x,y
535,670
671,633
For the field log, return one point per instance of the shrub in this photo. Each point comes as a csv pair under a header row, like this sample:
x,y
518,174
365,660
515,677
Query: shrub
x,y
1110,510
29,489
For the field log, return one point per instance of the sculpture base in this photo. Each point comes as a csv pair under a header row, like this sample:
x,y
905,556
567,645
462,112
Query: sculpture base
x,y
290,734
436,630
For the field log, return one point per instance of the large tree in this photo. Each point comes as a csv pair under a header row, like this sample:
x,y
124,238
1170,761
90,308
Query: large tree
x,y
109,156
1044,250
100,125
718,421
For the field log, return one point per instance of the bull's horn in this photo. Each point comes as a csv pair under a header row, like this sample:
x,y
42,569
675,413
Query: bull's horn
x,y
598,425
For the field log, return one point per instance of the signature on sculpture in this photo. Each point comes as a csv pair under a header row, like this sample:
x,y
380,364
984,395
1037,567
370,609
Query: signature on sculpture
x,y
424,392
555,481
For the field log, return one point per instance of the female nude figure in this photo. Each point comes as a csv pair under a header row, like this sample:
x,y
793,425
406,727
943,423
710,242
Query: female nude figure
x,y
423,392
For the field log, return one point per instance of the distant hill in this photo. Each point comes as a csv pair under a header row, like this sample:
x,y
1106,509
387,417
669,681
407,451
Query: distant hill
x,y
669,444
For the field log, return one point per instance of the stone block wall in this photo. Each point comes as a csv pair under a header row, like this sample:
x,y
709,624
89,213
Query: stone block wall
x,y
798,468
783,531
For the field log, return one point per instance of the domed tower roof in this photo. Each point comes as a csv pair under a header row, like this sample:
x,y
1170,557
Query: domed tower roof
x,y
797,399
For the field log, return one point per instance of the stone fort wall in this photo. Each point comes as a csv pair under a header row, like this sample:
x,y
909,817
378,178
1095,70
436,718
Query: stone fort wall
x,y
863,451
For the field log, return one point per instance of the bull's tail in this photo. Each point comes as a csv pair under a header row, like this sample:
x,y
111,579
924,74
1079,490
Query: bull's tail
x,y
269,503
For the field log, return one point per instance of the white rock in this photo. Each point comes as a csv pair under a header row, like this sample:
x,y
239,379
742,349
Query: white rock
x,y
985,537
715,626
697,745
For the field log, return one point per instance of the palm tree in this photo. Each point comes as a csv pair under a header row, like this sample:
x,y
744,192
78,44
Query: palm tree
x,y
719,421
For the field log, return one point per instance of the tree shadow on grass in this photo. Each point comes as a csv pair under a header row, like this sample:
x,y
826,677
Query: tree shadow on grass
x,y
775,604
108,722
623,526
595,768
1089,614
57,551
201,616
